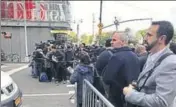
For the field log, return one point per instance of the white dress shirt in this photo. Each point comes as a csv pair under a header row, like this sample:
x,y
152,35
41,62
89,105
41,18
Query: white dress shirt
x,y
151,58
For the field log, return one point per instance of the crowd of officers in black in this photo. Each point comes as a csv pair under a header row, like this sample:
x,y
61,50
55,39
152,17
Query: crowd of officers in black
x,y
55,59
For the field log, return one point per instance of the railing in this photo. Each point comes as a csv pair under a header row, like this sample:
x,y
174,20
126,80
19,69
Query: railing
x,y
92,97
12,58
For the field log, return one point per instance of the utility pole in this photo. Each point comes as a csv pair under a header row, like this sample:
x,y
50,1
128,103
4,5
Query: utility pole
x,y
0,33
77,27
100,25
78,34
25,34
93,27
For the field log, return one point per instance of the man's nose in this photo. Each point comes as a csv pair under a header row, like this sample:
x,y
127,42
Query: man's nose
x,y
111,42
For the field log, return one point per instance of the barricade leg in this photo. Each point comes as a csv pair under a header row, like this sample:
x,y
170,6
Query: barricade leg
x,y
92,97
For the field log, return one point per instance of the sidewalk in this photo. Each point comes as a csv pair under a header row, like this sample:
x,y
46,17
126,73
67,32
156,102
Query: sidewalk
x,y
10,66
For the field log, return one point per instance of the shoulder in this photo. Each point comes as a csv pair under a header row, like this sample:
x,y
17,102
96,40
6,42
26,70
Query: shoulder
x,y
171,59
168,64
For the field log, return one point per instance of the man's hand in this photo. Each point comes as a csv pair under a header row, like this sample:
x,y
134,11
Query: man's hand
x,y
128,89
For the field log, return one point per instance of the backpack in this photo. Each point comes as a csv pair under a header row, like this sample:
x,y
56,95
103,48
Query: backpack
x,y
98,80
104,69
43,77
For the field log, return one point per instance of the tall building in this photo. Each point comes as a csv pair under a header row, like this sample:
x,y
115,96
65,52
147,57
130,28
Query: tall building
x,y
31,21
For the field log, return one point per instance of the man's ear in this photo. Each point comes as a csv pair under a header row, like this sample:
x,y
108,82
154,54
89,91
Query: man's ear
x,y
163,37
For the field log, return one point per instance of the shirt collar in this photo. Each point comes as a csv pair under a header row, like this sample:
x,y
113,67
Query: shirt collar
x,y
156,55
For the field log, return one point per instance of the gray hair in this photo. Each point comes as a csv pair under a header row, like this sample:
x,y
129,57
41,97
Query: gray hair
x,y
123,36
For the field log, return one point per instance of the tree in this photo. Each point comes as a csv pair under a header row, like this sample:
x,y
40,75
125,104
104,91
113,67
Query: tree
x,y
139,37
104,36
73,37
87,39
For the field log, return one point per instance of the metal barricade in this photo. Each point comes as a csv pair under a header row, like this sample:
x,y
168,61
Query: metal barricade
x,y
92,97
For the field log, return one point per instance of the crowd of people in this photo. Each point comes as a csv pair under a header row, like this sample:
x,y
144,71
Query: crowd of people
x,y
54,60
144,76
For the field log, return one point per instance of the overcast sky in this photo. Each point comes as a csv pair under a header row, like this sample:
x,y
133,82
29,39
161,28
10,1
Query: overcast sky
x,y
123,10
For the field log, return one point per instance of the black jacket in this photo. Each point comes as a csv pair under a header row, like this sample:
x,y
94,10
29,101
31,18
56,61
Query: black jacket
x,y
102,60
69,55
142,60
122,69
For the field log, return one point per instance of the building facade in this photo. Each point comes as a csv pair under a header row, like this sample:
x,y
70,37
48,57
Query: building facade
x,y
29,22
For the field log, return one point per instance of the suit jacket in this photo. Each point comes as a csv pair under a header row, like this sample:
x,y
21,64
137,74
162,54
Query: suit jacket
x,y
160,88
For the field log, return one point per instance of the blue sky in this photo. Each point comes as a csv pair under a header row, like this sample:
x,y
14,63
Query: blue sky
x,y
123,10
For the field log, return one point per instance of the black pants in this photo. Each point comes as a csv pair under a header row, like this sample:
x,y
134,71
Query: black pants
x,y
69,64
116,99
57,73
79,105
63,73
49,74
39,68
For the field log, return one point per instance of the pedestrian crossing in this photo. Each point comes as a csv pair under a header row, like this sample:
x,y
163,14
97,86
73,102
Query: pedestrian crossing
x,y
3,66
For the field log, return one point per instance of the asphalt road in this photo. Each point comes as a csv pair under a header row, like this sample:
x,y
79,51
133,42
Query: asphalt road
x,y
45,94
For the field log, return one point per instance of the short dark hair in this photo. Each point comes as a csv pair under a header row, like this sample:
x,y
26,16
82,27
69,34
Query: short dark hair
x,y
165,28
173,47
84,58
108,43
84,44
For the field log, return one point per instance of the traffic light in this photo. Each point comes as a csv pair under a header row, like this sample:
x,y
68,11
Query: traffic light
x,y
100,26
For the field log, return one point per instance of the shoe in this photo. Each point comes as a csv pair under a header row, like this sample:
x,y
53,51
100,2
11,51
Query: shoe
x,y
64,82
56,82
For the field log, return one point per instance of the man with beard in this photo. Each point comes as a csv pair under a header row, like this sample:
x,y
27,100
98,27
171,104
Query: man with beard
x,y
156,85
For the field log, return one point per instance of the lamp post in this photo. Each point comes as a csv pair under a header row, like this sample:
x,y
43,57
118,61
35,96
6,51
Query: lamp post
x,y
25,35
116,22
100,25
0,33
77,27
93,31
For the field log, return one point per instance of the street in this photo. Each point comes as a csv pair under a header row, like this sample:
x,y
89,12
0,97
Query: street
x,y
36,94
